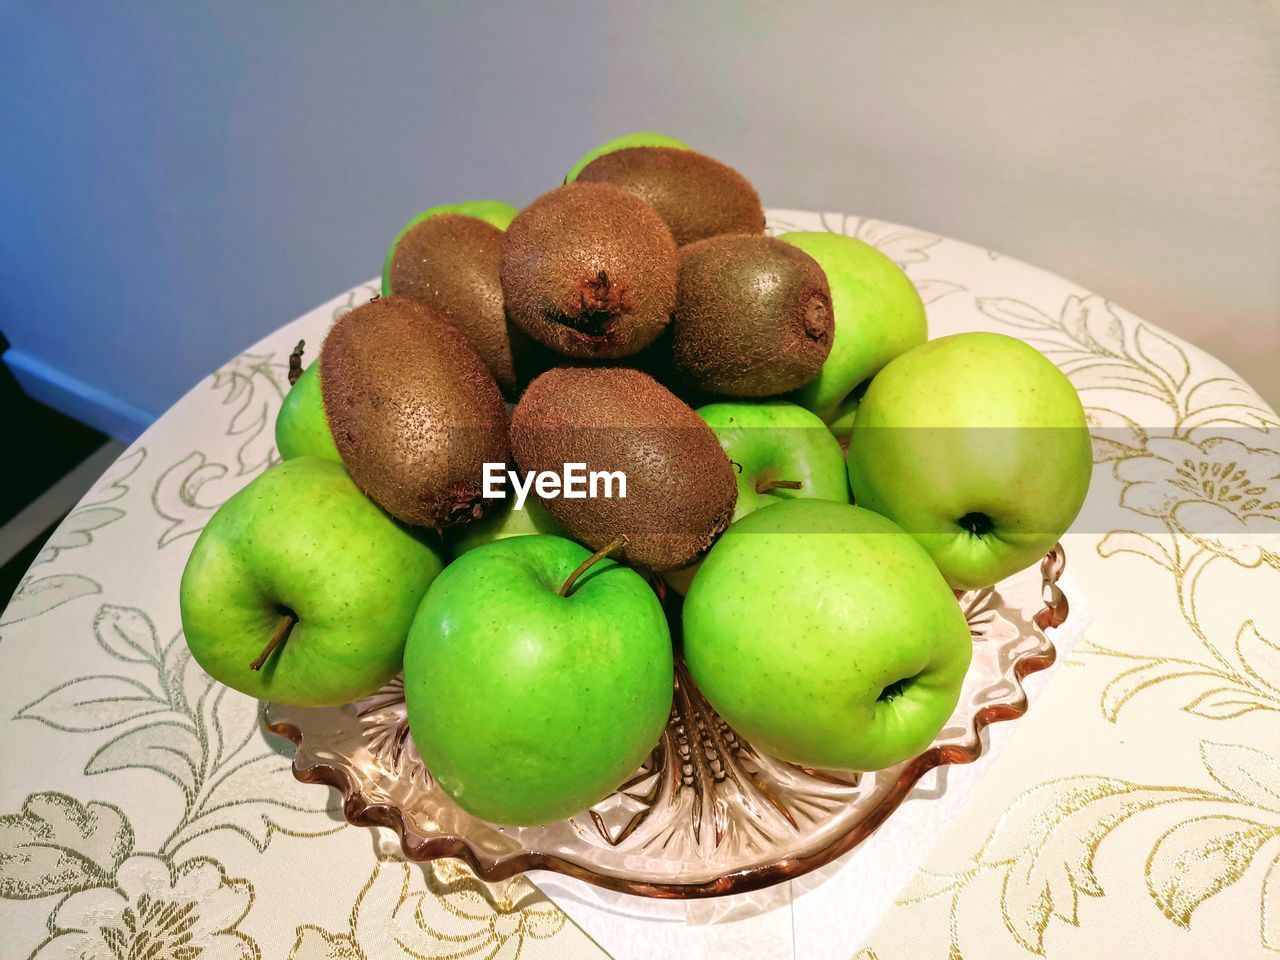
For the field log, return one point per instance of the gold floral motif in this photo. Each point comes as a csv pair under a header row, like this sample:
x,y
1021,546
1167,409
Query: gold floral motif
x,y
1228,690
155,909
396,915
1218,493
1218,499
155,713
1197,858
1043,847
1104,354
1220,838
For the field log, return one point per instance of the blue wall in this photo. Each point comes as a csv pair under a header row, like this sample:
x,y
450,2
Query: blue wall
x,y
177,179
180,179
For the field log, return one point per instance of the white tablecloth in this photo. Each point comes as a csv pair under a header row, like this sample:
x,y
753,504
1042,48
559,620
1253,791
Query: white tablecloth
x,y
1136,807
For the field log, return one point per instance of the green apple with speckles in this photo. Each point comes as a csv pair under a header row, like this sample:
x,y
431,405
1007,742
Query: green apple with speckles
x,y
532,694
501,521
493,212
780,451
644,138
977,445
877,315
824,634
302,428
301,589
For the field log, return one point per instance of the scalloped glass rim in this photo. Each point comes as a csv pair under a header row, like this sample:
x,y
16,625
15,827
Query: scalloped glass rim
x,y
706,815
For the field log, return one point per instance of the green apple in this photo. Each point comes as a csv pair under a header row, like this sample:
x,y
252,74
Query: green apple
x,y
824,634
780,451
645,138
500,522
530,701
301,589
493,212
841,422
301,425
877,312
976,444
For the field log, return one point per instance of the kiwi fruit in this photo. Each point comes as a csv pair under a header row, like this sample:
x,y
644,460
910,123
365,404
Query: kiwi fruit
x,y
681,488
589,271
413,410
642,138
697,196
753,316
450,263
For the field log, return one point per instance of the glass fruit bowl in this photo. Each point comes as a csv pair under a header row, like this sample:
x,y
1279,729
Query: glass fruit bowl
x,y
706,814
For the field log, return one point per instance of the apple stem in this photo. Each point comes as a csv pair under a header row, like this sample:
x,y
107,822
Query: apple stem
x,y
295,362
764,486
588,563
281,634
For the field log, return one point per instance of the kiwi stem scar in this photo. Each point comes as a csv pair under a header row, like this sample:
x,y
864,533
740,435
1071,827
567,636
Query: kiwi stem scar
x,y
588,563
281,634
295,362
764,486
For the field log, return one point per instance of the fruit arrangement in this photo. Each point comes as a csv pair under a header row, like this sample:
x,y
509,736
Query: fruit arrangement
x,y
779,479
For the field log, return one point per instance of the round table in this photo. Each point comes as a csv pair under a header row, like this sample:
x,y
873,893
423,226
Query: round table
x,y
1135,808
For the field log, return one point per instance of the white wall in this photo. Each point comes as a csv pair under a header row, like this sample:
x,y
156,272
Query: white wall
x,y
177,179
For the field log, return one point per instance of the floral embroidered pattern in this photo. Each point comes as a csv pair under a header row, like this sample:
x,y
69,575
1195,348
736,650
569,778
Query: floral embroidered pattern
x,y
1219,493
160,723
389,919
155,910
1209,479
1043,847
1189,452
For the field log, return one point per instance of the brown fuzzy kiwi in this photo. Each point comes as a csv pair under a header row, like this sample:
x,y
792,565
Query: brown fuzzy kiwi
x,y
698,197
450,263
589,271
681,488
413,410
753,316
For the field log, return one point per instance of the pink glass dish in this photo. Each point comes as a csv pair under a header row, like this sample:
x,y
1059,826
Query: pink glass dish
x,y
706,814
